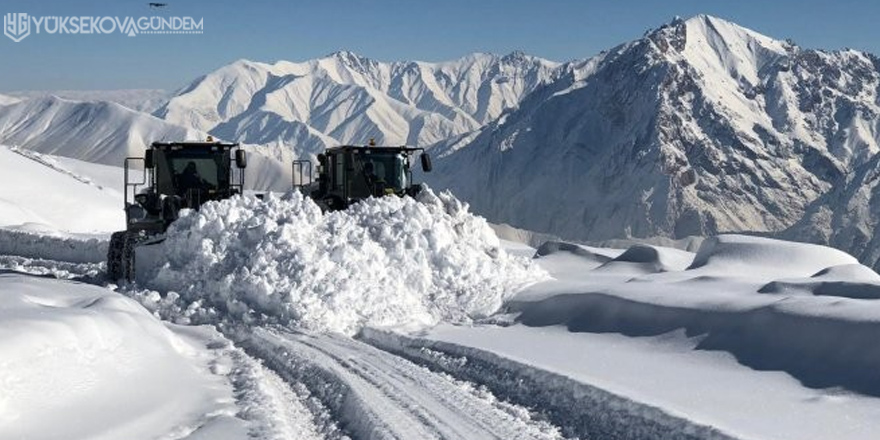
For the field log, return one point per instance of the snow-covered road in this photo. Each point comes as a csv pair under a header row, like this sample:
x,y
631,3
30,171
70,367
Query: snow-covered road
x,y
285,384
377,395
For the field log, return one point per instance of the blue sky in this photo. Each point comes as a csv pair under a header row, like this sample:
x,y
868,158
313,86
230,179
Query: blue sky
x,y
269,30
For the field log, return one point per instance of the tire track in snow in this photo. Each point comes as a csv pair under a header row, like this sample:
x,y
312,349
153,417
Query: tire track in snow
x,y
579,409
276,409
376,395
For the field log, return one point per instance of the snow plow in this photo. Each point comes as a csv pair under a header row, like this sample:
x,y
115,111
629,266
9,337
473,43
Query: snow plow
x,y
178,175
348,174
175,175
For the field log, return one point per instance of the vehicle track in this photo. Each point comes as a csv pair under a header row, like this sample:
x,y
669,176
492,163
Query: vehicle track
x,y
374,394
579,409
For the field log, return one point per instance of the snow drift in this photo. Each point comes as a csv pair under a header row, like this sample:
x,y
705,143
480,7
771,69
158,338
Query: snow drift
x,y
39,192
79,361
805,309
650,259
71,248
384,262
727,254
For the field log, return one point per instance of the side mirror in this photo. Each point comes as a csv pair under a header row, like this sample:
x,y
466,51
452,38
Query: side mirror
x,y
241,158
148,160
426,162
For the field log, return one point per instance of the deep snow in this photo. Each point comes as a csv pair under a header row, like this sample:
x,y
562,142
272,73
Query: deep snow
x,y
610,384
79,361
383,262
644,323
805,309
42,193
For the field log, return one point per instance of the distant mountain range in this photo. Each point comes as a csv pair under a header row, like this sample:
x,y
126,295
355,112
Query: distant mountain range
x,y
699,127
143,100
346,98
106,133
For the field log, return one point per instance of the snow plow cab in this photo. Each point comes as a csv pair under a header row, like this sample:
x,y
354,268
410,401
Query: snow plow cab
x,y
348,174
172,176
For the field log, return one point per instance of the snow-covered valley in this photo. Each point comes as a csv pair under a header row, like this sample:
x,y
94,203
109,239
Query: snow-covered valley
x,y
469,337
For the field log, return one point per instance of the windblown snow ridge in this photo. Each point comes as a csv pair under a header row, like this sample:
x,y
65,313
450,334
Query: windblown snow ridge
x,y
383,262
72,249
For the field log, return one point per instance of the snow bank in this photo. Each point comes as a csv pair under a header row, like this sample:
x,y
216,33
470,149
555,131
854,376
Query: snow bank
x,y
40,190
846,281
547,368
53,246
81,362
598,255
568,258
579,409
384,262
642,258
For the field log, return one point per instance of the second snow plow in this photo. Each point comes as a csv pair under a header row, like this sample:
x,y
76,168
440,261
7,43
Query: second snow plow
x,y
348,174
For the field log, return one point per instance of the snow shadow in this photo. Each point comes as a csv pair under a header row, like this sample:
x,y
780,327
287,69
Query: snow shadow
x,y
819,352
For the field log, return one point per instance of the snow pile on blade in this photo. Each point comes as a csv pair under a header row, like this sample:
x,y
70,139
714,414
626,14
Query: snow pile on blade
x,y
383,262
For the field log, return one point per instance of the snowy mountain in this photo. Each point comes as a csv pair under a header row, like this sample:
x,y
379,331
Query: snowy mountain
x,y
700,127
99,132
6,100
283,110
346,98
106,133
144,100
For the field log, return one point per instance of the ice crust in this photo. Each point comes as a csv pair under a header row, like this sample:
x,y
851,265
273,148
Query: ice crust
x,y
383,262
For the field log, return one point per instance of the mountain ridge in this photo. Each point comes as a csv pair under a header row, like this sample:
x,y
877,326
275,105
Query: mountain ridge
x,y
351,98
683,135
